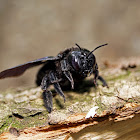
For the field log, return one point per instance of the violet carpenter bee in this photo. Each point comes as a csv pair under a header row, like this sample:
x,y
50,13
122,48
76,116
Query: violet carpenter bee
x,y
73,65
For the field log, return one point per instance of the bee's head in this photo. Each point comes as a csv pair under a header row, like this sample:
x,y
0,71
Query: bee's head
x,y
83,61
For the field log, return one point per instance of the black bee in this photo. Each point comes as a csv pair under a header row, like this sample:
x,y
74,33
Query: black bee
x,y
73,65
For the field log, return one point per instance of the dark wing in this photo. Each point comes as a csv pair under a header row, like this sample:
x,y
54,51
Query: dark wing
x,y
20,69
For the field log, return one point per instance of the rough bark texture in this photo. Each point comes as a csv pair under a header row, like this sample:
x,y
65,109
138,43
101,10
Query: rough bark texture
x,y
23,116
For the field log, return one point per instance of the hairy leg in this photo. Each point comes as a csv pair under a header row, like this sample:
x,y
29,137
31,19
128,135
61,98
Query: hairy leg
x,y
50,79
55,81
47,95
103,81
65,70
47,98
96,74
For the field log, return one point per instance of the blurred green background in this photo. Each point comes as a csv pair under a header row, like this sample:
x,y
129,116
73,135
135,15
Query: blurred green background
x,y
31,29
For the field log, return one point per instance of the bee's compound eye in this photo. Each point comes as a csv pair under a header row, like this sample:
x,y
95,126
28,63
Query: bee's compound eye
x,y
75,61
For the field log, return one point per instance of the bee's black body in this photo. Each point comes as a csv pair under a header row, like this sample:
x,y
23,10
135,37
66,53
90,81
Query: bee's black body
x,y
70,66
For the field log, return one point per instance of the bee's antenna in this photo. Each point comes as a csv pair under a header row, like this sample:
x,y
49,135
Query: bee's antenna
x,y
78,46
96,49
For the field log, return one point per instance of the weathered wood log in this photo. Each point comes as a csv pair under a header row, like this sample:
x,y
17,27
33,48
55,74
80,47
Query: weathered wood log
x,y
23,116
